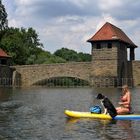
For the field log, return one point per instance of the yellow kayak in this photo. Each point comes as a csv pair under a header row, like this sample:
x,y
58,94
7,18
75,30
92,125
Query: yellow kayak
x,y
77,114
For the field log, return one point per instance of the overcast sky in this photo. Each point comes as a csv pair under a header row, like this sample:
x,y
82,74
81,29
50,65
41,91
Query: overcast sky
x,y
70,23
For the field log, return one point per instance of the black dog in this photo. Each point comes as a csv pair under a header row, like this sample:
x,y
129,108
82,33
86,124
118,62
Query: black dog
x,y
108,106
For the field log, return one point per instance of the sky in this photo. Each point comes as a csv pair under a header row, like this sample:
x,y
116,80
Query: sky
x,y
70,23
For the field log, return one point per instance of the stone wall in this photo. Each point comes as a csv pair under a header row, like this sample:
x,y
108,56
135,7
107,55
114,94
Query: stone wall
x,y
104,73
104,53
30,74
136,72
101,72
130,80
122,60
104,69
5,75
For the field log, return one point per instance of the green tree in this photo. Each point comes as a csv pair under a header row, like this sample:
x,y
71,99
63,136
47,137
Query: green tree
x,y
3,17
71,55
84,57
67,54
3,20
21,44
45,57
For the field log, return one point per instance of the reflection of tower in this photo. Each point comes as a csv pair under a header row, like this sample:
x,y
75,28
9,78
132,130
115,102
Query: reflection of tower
x,y
109,56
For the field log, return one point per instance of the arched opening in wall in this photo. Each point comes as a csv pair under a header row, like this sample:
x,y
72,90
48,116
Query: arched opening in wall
x,y
128,54
62,82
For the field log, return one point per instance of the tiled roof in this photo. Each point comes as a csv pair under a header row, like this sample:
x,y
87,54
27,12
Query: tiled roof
x,y
3,54
111,32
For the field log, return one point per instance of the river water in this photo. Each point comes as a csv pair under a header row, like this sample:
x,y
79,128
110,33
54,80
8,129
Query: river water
x,y
38,114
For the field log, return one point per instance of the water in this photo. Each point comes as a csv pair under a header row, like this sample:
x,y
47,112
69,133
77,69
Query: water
x,y
38,114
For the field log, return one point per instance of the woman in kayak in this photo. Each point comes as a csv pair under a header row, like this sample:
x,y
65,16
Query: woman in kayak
x,y
125,101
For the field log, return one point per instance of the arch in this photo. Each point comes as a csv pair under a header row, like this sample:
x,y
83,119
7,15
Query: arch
x,y
33,74
62,81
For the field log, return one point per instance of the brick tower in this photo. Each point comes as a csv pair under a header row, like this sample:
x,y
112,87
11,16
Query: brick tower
x,y
110,64
4,58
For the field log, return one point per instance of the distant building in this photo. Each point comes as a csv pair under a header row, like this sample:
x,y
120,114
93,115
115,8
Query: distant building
x,y
110,47
109,35
111,65
5,59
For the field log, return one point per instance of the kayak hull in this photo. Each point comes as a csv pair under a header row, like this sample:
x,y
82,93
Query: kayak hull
x,y
77,114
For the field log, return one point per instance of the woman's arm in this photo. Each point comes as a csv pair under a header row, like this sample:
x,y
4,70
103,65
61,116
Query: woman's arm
x,y
128,99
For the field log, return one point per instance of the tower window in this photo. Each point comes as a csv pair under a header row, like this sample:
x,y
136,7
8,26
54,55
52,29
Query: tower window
x,y
109,45
98,46
3,61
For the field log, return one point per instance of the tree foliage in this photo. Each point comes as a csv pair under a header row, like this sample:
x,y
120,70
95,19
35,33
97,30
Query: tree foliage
x,y
24,46
68,55
21,44
71,55
46,57
3,17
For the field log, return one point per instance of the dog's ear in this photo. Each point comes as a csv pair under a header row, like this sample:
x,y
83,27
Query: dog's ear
x,y
99,96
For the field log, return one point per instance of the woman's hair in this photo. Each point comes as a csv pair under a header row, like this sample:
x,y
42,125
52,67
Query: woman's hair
x,y
125,86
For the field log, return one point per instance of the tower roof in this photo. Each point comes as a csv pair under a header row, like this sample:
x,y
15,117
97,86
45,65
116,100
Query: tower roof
x,y
3,54
111,32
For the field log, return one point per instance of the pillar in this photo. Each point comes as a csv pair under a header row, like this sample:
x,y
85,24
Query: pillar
x,y
132,54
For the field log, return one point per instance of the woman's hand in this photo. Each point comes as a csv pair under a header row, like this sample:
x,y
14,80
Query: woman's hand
x,y
120,103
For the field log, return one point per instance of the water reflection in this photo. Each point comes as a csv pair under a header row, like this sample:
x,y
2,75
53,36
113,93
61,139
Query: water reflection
x,y
127,127
105,129
4,95
38,114
71,120
117,129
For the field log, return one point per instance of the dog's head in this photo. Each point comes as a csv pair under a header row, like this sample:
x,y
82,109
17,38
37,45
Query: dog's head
x,y
100,96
